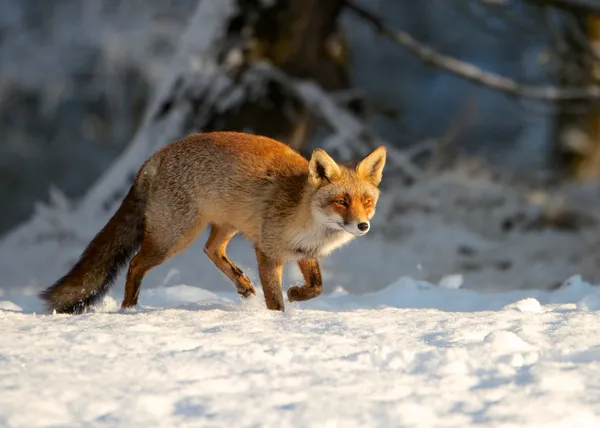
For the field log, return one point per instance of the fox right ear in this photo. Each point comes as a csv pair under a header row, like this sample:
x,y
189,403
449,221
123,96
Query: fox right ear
x,y
371,167
321,167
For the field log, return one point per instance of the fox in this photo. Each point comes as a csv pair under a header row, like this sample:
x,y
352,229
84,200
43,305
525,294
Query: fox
x,y
291,208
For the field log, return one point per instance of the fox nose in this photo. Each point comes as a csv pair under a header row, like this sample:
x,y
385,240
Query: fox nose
x,y
363,227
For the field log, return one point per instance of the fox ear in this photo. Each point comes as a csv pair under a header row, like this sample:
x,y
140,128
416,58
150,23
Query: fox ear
x,y
371,167
321,167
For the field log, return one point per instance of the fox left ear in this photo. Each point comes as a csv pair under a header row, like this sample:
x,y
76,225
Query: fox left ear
x,y
371,167
322,167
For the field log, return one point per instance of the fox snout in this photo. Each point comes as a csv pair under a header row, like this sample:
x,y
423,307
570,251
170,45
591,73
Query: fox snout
x,y
357,227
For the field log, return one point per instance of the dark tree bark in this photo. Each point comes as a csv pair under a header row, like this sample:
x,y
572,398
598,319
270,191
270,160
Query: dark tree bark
x,y
577,125
301,38
590,167
567,123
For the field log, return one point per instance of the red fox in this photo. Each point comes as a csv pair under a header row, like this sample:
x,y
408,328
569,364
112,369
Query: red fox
x,y
289,207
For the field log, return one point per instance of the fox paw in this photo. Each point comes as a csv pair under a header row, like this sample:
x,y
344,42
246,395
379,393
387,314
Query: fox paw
x,y
298,293
301,293
247,292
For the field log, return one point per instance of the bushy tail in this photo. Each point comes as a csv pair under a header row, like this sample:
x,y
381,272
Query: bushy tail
x,y
90,279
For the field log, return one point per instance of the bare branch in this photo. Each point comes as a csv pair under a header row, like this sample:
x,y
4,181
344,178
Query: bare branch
x,y
472,73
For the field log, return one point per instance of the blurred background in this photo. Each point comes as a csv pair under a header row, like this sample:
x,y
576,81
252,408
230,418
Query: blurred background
x,y
490,106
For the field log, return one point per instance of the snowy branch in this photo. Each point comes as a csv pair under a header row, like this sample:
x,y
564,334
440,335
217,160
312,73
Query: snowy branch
x,y
165,116
164,121
469,71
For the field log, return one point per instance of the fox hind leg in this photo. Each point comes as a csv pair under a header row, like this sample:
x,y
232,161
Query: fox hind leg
x,y
158,246
215,249
147,258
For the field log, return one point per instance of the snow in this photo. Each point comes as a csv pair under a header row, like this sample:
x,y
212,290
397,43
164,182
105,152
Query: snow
x,y
407,333
413,354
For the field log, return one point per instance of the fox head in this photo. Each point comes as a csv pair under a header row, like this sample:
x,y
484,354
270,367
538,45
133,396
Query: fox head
x,y
345,198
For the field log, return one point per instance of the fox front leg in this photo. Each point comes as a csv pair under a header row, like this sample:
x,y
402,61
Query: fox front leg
x,y
313,283
271,272
215,249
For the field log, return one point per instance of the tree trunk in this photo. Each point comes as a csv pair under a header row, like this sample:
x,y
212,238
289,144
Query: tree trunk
x,y
577,148
589,166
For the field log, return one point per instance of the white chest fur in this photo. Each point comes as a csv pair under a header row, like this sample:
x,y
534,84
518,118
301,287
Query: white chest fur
x,y
318,241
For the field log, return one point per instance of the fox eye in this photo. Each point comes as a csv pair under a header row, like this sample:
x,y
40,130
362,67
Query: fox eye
x,y
367,201
341,202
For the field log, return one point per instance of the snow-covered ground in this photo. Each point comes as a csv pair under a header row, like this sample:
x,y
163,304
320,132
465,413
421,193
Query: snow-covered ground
x,y
483,345
412,354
